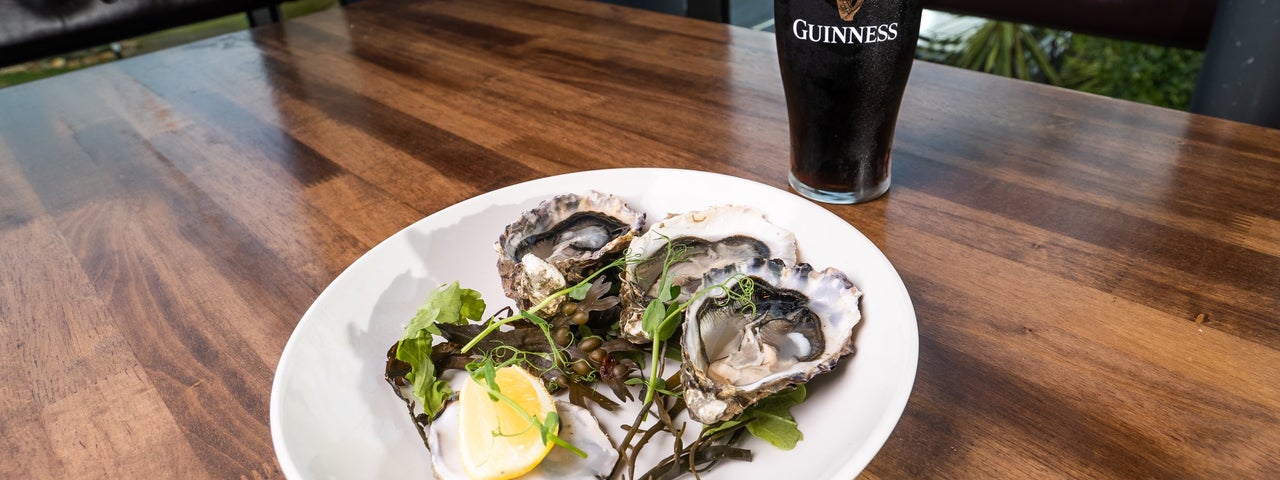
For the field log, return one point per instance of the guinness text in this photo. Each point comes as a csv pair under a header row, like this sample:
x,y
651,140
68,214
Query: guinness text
x,y
838,34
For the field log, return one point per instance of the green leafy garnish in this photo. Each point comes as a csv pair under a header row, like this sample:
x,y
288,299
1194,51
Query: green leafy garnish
x,y
654,313
447,304
771,419
579,291
549,428
430,391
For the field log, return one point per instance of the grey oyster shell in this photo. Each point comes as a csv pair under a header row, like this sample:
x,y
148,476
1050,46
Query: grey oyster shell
x,y
802,325
560,242
713,238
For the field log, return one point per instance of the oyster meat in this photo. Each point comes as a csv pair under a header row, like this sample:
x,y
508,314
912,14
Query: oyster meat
x,y
562,241
798,323
708,239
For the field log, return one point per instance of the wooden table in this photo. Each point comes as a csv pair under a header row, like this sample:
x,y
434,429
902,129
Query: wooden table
x,y
1097,282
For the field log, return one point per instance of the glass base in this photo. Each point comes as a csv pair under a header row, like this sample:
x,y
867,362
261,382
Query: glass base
x,y
826,196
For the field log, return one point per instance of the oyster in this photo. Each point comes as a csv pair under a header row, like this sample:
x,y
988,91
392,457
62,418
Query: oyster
x,y
798,324
711,238
562,241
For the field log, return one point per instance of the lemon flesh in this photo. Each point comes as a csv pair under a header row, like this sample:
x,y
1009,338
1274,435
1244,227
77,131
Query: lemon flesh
x,y
497,441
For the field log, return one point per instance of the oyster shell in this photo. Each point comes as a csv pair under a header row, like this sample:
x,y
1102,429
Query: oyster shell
x,y
801,325
712,238
560,242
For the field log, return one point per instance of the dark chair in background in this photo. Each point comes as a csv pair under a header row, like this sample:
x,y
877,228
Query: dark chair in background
x,y
33,29
1175,23
1240,76
713,10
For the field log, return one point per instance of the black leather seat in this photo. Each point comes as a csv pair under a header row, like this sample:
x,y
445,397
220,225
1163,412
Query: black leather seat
x,y
1240,76
32,29
1177,23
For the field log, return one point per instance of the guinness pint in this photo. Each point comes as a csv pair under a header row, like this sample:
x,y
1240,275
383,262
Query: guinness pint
x,y
844,67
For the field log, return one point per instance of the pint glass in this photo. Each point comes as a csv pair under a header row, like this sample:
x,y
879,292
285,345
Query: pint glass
x,y
844,67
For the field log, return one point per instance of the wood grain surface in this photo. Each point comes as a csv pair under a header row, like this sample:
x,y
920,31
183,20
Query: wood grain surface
x,y
1097,283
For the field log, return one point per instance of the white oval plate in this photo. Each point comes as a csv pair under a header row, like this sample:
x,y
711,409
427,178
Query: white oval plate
x,y
333,416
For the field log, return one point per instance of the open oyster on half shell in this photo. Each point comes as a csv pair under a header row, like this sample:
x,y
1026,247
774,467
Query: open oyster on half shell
x,y
798,323
560,242
708,239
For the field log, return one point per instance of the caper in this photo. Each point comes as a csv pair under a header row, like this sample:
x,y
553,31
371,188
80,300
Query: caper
x,y
598,355
579,317
559,378
620,371
568,308
581,367
590,343
562,336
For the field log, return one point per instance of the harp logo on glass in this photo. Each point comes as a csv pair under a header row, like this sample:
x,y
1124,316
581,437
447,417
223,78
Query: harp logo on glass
x,y
816,33
848,9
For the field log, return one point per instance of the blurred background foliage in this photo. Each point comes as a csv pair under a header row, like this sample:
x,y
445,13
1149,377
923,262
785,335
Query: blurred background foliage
x,y
1157,75
1151,74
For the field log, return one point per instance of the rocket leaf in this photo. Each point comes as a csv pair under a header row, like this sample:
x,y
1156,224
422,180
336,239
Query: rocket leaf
x,y
450,304
431,391
770,419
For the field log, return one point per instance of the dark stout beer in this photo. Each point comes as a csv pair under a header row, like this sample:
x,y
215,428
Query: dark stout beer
x,y
844,67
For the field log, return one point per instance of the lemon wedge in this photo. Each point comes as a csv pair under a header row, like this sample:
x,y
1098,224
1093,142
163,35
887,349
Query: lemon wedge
x,y
497,441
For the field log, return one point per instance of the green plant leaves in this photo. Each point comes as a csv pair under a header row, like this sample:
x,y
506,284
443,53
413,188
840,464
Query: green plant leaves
x,y
430,391
449,304
579,291
1008,49
549,427
654,312
1154,74
769,419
